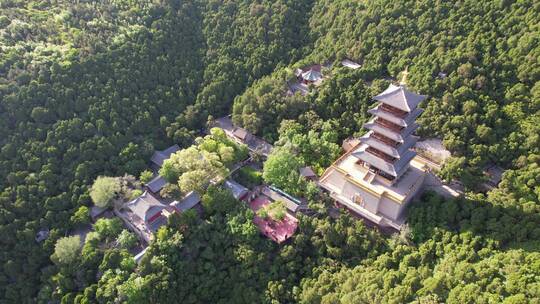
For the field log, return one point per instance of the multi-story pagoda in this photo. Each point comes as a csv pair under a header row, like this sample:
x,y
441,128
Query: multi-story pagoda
x,y
378,176
390,139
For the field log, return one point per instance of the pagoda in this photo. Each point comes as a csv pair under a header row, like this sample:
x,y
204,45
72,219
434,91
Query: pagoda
x,y
387,145
378,176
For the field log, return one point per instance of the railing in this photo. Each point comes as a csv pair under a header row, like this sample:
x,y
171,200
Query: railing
x,y
384,139
388,124
380,154
394,111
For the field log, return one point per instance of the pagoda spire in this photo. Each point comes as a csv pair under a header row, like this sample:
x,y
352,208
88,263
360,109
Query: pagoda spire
x,y
404,75
386,147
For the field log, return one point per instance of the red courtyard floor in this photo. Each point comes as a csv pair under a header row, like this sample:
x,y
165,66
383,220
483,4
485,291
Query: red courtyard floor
x,y
277,231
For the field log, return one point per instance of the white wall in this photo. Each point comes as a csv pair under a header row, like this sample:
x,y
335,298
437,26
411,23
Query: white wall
x,y
390,208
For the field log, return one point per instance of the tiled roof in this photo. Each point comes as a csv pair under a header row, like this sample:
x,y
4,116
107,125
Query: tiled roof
x,y
394,152
399,97
240,133
156,184
145,206
159,156
394,169
307,172
403,122
237,190
312,75
189,201
393,135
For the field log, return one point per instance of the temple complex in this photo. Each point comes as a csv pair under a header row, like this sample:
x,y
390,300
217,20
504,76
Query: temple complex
x,y
378,177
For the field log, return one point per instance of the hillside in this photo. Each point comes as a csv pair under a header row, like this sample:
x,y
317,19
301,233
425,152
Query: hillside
x,y
91,89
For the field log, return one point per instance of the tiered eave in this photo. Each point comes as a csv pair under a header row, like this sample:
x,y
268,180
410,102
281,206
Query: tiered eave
x,y
386,148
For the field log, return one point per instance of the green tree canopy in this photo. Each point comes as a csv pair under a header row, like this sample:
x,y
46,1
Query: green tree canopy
x,y
66,250
104,190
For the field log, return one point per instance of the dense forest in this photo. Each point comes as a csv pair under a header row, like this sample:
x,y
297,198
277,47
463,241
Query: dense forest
x,y
92,88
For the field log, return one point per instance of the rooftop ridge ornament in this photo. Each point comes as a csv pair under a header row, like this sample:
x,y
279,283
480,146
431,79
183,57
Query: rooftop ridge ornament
x,y
404,74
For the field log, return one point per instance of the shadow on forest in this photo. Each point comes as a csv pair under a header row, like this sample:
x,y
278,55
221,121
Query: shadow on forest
x,y
507,227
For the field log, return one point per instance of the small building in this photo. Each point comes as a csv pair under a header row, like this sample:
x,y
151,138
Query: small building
x,y
189,201
308,173
310,74
159,157
97,212
350,64
147,209
291,203
238,191
241,134
494,174
156,184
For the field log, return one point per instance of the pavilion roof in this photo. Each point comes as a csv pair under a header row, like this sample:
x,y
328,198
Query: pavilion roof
x,y
387,149
237,190
393,135
395,169
307,172
312,75
403,122
240,133
399,97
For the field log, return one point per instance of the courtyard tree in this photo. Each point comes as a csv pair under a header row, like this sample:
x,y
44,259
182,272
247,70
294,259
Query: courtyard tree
x,y
66,250
104,190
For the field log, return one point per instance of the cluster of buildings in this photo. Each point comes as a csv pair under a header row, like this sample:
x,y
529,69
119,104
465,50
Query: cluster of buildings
x,y
145,214
243,137
313,75
377,176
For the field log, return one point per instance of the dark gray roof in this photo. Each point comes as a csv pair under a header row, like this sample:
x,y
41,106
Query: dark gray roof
x,y
307,172
350,64
403,122
312,75
96,211
159,156
145,206
399,97
236,189
394,152
291,203
240,133
156,184
251,141
393,135
395,169
189,201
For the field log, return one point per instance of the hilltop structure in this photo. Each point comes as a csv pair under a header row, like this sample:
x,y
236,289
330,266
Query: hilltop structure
x,y
378,177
